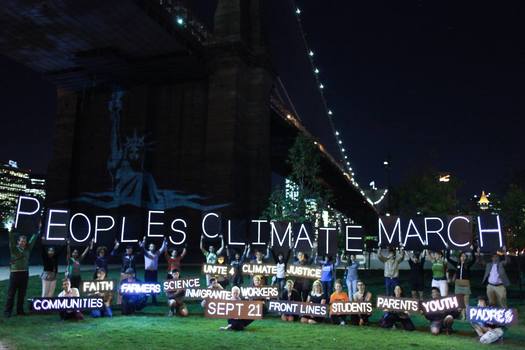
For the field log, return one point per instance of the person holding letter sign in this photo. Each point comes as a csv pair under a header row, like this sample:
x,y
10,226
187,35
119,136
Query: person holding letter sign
x,y
316,296
233,323
496,278
328,273
49,276
20,251
351,275
74,259
289,294
211,254
390,318
236,264
439,272
391,261
462,275
416,262
441,321
339,296
128,261
151,263
362,295
302,285
173,258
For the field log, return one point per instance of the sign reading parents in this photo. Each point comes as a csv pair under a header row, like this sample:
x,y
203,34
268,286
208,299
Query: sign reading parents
x,y
350,308
182,283
298,308
439,233
397,304
244,310
492,315
61,304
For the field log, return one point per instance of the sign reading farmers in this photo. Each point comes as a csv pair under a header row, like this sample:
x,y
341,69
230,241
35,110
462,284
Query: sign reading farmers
x,y
297,308
259,269
451,303
244,310
397,304
61,304
140,288
350,308
354,239
302,271
492,315
182,283
27,217
97,286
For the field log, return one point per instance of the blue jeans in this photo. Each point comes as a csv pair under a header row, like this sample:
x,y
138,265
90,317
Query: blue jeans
x,y
104,311
352,288
390,284
327,289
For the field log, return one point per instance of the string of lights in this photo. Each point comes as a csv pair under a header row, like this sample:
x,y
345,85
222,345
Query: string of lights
x,y
329,113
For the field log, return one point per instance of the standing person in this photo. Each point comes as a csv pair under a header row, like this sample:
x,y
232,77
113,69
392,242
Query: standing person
x,y
462,276
302,285
222,279
106,296
441,321
128,261
339,296
234,323
391,261
316,296
68,292
236,263
497,281
132,302
259,258
173,258
417,274
176,298
390,318
328,274
20,251
49,276
351,273
151,263
74,259
281,261
362,295
488,333
211,254
439,272
102,258
289,294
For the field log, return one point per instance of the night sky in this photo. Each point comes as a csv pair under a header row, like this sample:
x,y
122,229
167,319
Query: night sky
x,y
437,84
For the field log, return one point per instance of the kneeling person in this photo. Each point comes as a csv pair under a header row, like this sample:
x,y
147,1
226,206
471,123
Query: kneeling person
x,y
488,333
132,302
176,298
441,321
68,292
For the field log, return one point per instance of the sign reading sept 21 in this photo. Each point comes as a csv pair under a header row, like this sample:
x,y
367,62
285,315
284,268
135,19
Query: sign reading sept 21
x,y
437,233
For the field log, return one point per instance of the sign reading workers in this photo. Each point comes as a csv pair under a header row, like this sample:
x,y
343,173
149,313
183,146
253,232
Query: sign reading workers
x,y
492,315
62,304
439,233
397,304
297,308
350,308
244,310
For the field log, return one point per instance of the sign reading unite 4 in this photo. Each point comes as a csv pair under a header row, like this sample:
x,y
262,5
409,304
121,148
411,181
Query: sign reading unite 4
x,y
438,233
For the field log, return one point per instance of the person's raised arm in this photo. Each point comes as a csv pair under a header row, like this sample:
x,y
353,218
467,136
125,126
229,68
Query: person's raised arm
x,y
222,245
449,259
163,247
267,256
472,260
84,253
33,239
12,240
201,246
507,257
380,255
68,251
114,250
184,251
337,260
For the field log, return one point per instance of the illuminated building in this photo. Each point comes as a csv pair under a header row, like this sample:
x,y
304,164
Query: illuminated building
x,y
13,183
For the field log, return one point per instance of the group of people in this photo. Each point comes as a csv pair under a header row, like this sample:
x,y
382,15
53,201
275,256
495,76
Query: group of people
x,y
326,290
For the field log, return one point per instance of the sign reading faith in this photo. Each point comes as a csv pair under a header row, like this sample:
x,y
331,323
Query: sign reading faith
x,y
452,303
301,271
397,304
183,283
259,269
350,308
244,310
207,293
259,292
492,315
297,308
97,286
140,288
62,304
217,270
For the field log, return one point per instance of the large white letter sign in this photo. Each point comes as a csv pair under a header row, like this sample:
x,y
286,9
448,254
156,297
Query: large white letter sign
x,y
71,224
19,210
275,233
303,235
204,225
51,223
151,223
354,238
490,239
257,233
101,229
430,223
461,230
183,233
412,231
384,233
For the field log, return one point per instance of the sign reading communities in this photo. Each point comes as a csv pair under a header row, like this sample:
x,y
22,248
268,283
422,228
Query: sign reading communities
x,y
437,233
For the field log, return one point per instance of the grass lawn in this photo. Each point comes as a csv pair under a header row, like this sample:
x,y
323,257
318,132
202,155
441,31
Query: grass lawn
x,y
152,329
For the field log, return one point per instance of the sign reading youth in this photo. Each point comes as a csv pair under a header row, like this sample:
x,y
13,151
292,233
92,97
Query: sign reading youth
x,y
297,308
245,310
451,303
492,315
439,233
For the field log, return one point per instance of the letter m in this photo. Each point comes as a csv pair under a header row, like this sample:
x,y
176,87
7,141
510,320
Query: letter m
x,y
383,233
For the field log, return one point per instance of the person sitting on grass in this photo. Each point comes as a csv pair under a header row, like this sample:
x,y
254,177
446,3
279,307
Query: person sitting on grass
x,y
441,321
234,323
132,302
390,318
316,296
338,296
106,296
68,292
362,295
176,298
211,255
488,333
214,284
289,294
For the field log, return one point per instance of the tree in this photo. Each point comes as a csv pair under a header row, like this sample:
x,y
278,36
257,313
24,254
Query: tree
x,y
307,198
513,215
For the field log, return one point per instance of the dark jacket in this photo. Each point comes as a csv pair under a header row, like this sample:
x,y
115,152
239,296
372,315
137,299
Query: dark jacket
x,y
501,271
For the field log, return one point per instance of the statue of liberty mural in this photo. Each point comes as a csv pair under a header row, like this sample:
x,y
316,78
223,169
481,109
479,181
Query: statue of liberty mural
x,y
131,183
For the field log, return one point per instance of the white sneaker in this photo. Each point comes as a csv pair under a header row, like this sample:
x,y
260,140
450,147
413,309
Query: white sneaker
x,y
226,328
170,313
342,323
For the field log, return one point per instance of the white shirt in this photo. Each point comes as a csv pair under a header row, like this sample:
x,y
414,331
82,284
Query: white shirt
x,y
151,260
494,275
73,293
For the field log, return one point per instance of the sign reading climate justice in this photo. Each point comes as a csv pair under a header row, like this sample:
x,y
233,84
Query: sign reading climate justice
x,y
397,304
62,304
492,315
297,308
245,310
311,272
